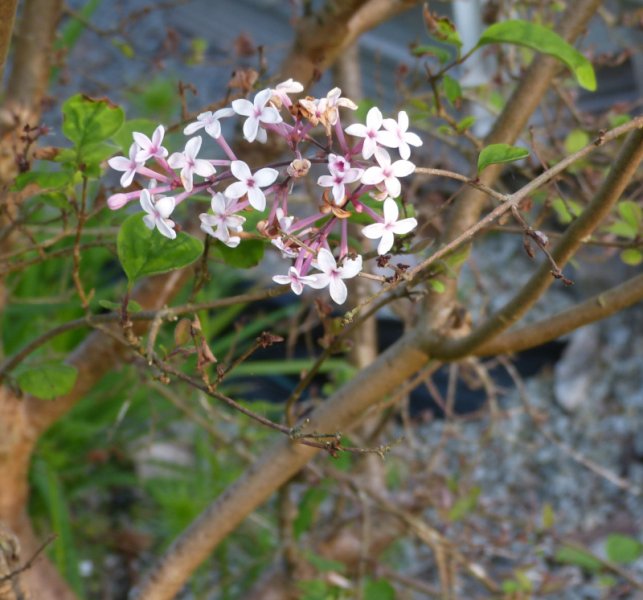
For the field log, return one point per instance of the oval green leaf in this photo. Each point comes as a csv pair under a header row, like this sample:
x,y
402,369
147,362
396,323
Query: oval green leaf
x,y
146,252
622,548
248,254
500,153
542,39
47,381
89,121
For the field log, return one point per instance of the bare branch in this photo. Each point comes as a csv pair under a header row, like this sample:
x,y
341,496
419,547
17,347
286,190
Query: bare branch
x,y
7,17
599,307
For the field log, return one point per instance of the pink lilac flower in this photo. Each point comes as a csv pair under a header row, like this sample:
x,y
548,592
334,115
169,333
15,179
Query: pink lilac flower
x,y
397,136
224,219
210,122
128,165
250,184
190,164
281,91
158,213
295,280
331,275
387,173
341,174
370,132
384,231
257,113
150,148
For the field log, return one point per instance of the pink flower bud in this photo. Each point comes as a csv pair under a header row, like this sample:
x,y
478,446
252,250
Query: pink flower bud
x,y
117,201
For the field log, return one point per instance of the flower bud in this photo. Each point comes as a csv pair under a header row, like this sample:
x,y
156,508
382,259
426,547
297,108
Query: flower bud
x,y
298,168
117,201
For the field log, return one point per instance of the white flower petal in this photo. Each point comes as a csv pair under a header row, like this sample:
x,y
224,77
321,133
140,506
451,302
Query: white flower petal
x,y
326,261
402,168
250,128
374,231
165,227
405,225
240,170
146,202
243,107
257,199
391,211
165,206
350,267
265,177
386,243
236,189
338,290
203,167
373,176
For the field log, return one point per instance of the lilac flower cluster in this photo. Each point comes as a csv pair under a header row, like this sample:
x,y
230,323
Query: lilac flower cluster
x,y
352,171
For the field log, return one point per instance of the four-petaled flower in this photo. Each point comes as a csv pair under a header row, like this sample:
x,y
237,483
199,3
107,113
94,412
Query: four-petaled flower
x,y
370,132
387,173
190,164
250,184
295,280
257,112
128,165
150,148
210,122
158,213
341,174
397,136
331,275
384,231
224,219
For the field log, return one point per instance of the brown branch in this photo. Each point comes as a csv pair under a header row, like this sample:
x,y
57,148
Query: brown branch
x,y
511,122
623,169
596,308
7,17
276,466
30,562
323,36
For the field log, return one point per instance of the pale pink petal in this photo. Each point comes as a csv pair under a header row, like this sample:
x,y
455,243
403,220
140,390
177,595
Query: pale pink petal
x,y
386,243
374,231
165,206
338,290
193,146
270,115
405,225
250,128
350,268
257,199
391,211
192,127
236,189
146,202
402,168
240,170
281,279
218,203
374,118
262,98
356,129
243,107
165,227
326,261
149,221
393,186
265,177
318,281
326,181
176,160
203,167
373,176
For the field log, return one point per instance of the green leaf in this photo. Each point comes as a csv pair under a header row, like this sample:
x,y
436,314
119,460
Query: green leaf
x,y
632,257
247,254
441,28
466,123
452,89
623,229
542,39
89,121
566,210
622,548
47,381
548,516
146,252
429,50
132,306
323,564
379,589
308,506
437,286
500,153
580,558
465,505
631,212
43,179
363,106
576,140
